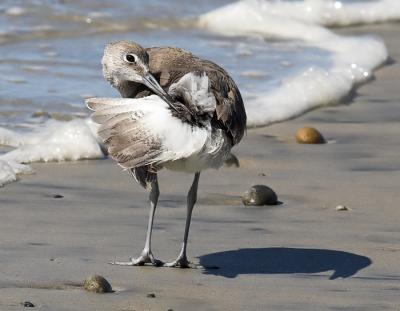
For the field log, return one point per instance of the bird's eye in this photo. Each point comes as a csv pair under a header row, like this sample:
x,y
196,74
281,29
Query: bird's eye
x,y
130,58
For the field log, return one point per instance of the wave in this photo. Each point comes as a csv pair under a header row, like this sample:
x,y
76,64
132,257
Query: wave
x,y
353,58
322,12
353,61
53,141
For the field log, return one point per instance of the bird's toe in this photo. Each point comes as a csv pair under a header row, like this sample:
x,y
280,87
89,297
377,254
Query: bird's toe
x,y
122,263
145,258
180,262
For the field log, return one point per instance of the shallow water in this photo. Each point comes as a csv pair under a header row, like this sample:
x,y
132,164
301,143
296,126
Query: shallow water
x,y
51,52
283,61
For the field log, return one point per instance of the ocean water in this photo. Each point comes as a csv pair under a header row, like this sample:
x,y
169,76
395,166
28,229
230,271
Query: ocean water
x,y
282,55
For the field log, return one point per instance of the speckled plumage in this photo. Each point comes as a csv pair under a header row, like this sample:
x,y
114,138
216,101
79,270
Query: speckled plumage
x,y
168,65
178,111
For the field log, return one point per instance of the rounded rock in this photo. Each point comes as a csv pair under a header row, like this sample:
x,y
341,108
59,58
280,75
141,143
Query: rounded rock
x,y
259,195
97,284
309,135
28,304
57,196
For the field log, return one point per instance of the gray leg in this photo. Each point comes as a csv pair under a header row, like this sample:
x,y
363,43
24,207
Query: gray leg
x,y
181,261
146,256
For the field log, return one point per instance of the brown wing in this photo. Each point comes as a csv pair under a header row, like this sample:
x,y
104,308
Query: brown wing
x,y
170,64
230,112
128,142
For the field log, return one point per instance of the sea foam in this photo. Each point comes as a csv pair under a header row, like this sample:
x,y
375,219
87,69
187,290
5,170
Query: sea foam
x,y
53,141
353,58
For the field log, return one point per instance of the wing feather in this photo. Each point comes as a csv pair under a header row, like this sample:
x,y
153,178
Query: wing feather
x,y
139,132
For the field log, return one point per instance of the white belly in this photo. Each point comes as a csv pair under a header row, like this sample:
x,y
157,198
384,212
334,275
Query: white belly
x,y
212,155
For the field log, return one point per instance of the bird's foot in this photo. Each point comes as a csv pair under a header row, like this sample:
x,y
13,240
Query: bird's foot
x,y
180,262
144,258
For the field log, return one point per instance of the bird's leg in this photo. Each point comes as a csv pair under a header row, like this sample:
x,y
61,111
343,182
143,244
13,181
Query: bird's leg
x,y
181,261
146,256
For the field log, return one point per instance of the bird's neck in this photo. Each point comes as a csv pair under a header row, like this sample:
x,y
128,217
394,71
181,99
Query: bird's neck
x,y
128,89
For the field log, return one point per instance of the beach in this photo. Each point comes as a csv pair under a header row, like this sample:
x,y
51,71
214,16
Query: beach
x,y
300,255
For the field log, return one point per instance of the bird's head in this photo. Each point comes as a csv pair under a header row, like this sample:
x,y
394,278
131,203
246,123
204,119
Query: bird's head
x,y
127,61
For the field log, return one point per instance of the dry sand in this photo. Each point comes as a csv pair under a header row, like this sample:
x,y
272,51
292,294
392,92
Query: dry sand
x,y
301,255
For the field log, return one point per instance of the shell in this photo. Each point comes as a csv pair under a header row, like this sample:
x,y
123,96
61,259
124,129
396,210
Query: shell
x,y
341,208
97,284
309,135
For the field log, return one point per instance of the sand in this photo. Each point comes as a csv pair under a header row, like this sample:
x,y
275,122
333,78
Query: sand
x,y
300,255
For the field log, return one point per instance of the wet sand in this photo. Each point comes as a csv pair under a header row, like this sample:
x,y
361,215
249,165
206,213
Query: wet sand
x,y
301,255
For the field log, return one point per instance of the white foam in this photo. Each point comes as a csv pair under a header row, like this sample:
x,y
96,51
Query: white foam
x,y
15,11
53,141
353,58
335,12
322,12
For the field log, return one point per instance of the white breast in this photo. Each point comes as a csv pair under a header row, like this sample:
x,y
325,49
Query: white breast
x,y
143,131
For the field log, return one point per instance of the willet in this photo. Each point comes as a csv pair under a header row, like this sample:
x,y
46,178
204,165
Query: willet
x,y
186,116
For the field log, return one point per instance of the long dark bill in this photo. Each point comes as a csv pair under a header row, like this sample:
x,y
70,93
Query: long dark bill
x,y
153,85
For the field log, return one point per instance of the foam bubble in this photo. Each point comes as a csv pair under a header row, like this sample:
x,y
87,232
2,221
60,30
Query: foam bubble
x,y
16,11
353,58
53,141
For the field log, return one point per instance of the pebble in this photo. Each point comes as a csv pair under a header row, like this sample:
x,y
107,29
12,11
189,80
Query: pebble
x,y
232,160
309,135
259,195
97,284
28,304
151,295
57,196
342,208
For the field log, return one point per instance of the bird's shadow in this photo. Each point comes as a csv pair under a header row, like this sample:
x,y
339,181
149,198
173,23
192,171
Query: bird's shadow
x,y
280,260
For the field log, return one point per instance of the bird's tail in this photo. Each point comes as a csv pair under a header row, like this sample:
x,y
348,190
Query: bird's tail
x,y
144,175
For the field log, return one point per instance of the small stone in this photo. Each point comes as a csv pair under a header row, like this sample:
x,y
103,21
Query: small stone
x,y
28,304
309,135
259,195
57,196
97,284
341,208
151,295
232,160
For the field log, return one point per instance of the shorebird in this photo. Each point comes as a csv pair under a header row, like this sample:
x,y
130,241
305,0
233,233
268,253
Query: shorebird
x,y
177,111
